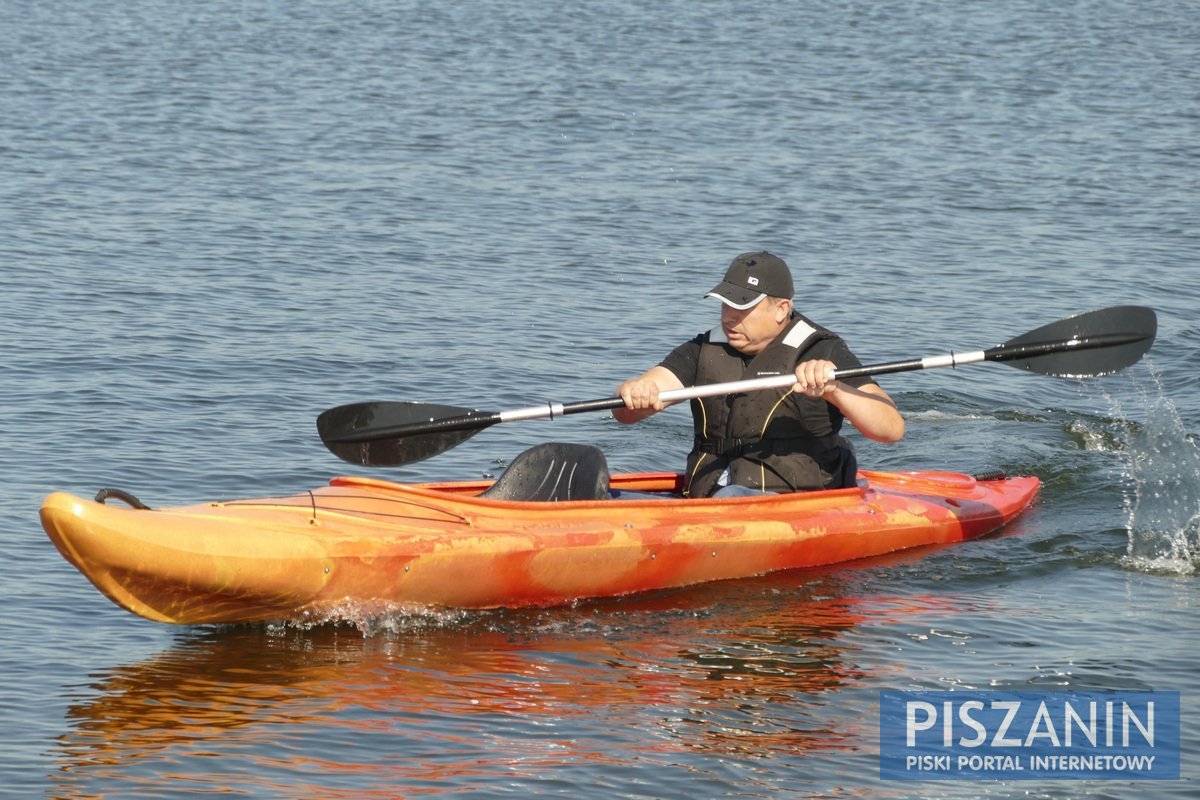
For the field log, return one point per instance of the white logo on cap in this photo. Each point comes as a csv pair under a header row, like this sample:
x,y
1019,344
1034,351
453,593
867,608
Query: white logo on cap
x,y
752,281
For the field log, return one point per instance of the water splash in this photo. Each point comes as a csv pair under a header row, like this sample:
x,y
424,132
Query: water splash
x,y
378,618
1162,499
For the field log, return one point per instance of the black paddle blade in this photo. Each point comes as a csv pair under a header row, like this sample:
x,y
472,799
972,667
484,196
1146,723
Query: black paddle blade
x,y
1095,343
343,430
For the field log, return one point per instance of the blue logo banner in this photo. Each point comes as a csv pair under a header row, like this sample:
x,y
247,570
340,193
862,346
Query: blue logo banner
x,y
1000,735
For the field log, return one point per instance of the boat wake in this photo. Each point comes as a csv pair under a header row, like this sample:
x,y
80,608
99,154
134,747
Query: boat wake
x,y
1162,497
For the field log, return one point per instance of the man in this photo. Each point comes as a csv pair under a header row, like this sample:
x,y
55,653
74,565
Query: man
x,y
783,440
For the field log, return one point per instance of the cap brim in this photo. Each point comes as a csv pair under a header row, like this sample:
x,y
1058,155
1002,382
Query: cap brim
x,y
737,297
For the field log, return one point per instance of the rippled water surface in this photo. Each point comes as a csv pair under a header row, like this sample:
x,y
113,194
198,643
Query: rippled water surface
x,y
218,220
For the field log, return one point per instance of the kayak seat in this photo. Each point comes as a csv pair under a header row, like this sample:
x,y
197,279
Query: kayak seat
x,y
553,472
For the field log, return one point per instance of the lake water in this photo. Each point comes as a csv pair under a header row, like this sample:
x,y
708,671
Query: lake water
x,y
219,219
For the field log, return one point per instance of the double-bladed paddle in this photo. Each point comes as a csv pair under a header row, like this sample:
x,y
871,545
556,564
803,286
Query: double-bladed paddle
x,y
393,433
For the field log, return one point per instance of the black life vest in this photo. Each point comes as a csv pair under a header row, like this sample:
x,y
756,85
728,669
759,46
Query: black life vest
x,y
774,440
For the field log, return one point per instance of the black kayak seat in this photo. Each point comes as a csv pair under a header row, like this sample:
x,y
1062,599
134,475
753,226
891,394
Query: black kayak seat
x,y
553,472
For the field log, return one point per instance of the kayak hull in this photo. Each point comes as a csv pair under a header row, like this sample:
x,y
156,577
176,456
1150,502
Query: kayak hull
x,y
390,545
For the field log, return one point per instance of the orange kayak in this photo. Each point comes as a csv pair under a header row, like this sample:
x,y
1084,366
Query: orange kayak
x,y
398,546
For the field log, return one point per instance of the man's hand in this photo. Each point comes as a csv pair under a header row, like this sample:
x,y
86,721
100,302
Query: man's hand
x,y
640,394
814,378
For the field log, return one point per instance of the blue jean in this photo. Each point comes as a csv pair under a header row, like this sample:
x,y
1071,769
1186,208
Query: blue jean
x,y
735,490
625,494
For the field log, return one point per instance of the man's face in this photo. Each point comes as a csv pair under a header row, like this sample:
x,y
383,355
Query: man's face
x,y
752,329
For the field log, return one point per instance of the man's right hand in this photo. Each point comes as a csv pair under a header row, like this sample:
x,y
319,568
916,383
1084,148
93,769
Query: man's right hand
x,y
642,394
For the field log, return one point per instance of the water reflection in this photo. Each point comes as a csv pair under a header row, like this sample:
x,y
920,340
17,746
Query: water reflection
x,y
430,704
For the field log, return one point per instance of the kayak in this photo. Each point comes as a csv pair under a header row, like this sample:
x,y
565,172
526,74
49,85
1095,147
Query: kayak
x,y
483,544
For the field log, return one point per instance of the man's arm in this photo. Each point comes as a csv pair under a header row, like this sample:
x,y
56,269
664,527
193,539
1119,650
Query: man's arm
x,y
868,407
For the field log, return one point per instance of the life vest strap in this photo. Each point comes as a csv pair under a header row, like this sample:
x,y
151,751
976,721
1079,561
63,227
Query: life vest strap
x,y
760,448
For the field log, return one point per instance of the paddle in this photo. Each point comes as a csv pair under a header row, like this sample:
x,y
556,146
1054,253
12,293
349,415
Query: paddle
x,y
393,433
